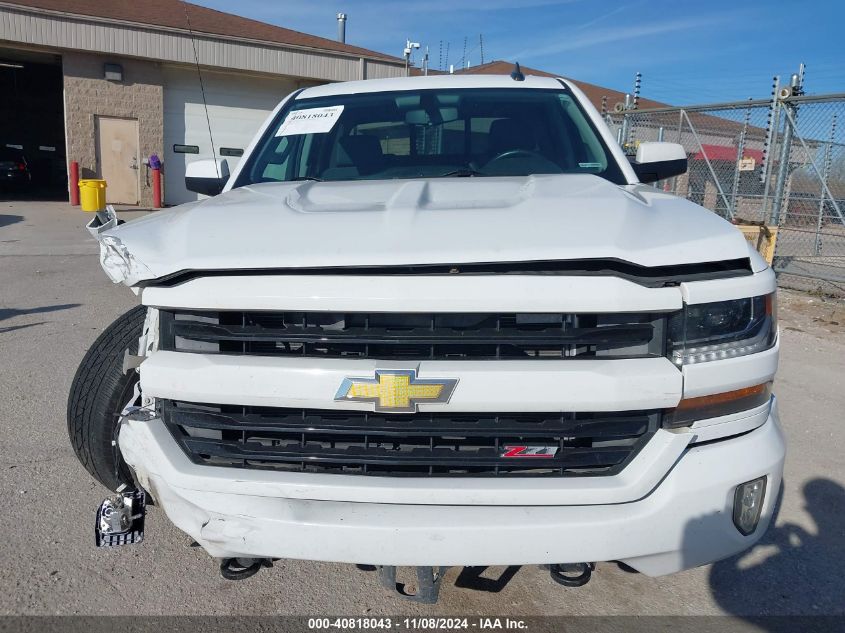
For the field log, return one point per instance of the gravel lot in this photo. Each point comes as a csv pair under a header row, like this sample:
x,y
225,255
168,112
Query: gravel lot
x,y
54,300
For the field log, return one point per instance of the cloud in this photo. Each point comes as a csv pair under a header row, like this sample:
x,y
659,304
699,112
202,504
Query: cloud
x,y
604,16
563,41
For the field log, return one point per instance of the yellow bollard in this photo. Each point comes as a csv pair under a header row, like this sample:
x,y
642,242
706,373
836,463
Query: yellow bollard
x,y
92,195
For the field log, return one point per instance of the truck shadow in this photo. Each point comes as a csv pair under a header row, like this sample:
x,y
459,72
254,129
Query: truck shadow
x,y
791,571
473,578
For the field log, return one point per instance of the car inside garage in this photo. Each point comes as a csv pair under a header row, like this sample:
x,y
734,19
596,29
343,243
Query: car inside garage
x,y
32,137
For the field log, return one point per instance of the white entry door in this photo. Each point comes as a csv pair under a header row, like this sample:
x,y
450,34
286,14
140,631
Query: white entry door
x,y
117,159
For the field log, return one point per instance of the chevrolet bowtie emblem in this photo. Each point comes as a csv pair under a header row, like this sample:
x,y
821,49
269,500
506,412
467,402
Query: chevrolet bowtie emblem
x,y
396,391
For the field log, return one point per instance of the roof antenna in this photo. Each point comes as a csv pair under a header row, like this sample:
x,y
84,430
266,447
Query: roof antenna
x,y
517,75
202,90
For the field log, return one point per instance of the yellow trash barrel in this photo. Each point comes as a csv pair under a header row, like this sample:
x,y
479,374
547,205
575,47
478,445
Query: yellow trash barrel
x,y
92,195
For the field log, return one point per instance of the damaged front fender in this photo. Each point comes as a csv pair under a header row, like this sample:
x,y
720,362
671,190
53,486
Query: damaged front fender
x,y
117,261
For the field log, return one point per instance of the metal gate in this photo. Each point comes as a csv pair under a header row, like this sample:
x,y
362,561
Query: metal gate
x,y
778,162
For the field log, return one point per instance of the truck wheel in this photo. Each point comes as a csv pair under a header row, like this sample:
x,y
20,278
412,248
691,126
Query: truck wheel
x,y
98,394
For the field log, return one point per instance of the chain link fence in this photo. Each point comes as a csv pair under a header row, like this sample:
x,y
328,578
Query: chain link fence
x,y
778,163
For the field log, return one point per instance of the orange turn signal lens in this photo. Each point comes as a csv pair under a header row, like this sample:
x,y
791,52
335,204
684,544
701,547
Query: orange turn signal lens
x,y
713,406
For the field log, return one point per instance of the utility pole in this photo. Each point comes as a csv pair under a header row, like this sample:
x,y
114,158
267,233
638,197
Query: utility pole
x,y
409,48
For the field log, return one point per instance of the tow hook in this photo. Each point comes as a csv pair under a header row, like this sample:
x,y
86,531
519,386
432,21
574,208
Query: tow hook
x,y
427,585
120,518
572,574
242,568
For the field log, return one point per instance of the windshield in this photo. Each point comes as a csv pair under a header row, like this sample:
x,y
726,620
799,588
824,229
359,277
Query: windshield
x,y
430,133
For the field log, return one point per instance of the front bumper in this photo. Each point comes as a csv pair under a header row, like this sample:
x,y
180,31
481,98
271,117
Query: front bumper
x,y
681,521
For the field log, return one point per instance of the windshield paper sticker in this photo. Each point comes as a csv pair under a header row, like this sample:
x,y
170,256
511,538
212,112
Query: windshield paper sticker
x,y
310,121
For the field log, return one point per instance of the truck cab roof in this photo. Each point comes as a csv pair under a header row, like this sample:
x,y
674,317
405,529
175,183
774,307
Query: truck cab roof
x,y
432,82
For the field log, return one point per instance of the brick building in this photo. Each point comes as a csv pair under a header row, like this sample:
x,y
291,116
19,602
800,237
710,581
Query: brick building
x,y
108,84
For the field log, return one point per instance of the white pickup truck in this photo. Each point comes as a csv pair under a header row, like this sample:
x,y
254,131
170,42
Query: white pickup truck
x,y
433,322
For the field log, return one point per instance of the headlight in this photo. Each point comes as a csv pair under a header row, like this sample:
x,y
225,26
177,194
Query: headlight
x,y
725,329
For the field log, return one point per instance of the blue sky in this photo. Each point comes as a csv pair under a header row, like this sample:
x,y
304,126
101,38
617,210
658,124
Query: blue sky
x,y
688,52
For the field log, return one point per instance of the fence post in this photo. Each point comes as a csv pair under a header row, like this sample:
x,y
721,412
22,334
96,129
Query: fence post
x,y
772,124
625,124
828,156
660,133
785,151
740,150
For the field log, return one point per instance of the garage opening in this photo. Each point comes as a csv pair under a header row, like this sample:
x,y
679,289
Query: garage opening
x,y
237,106
32,135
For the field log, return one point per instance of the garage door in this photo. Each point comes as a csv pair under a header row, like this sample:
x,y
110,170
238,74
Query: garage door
x,y
237,106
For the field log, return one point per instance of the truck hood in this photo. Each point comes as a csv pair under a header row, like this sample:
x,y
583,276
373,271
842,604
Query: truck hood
x,y
426,221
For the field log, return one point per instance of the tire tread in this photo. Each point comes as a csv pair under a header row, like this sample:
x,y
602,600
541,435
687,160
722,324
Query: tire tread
x,y
93,399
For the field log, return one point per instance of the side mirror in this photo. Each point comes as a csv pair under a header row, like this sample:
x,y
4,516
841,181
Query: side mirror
x,y
656,161
207,177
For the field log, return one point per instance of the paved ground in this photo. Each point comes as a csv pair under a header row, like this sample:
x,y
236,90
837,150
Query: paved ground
x,y
53,302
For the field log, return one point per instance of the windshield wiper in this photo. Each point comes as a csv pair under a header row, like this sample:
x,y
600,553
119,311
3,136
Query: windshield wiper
x,y
464,172
310,178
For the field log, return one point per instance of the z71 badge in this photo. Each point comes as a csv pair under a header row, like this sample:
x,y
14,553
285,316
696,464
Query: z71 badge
x,y
529,451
